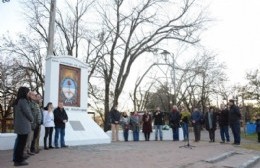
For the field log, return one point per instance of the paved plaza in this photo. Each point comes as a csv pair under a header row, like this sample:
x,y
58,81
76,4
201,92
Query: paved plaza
x,y
142,154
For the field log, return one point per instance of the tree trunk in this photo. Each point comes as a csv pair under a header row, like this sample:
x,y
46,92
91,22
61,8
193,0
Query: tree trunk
x,y
3,125
106,108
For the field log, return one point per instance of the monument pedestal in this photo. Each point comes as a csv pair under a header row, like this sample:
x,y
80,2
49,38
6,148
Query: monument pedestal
x,y
66,80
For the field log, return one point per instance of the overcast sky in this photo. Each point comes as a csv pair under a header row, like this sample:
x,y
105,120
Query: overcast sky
x,y
234,36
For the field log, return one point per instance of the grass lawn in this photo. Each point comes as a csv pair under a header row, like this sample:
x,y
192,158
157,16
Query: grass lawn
x,y
251,137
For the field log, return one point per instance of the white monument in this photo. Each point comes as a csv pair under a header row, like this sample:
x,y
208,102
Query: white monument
x,y
66,80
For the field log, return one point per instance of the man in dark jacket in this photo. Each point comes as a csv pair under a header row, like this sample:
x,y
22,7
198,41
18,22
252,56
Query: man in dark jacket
x,y
174,120
234,121
158,123
115,118
223,124
210,119
60,119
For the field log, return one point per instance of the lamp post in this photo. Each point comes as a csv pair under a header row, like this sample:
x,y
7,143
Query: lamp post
x,y
165,53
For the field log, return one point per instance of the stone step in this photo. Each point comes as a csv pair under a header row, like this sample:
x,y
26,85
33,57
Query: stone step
x,y
230,159
238,160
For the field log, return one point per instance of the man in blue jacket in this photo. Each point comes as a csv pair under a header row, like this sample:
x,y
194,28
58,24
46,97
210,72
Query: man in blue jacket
x,y
196,118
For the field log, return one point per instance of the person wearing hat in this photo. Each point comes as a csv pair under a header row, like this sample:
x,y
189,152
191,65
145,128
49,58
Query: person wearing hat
x,y
234,121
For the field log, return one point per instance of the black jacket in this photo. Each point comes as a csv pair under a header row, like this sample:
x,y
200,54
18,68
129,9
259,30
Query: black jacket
x,y
114,116
174,119
234,114
59,116
223,118
213,120
158,118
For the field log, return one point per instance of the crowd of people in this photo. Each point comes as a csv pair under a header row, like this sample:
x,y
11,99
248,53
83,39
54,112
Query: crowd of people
x,y
227,117
28,118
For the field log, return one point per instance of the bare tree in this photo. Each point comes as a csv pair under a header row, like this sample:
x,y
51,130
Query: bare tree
x,y
132,31
30,60
11,77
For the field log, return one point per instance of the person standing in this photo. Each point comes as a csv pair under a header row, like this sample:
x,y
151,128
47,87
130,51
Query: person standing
x,y
35,148
34,110
234,121
135,124
48,123
223,124
115,118
258,127
125,121
147,125
175,122
196,118
185,118
22,124
60,120
210,119
158,123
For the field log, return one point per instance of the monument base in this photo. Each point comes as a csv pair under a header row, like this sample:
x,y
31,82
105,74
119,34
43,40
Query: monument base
x,y
80,130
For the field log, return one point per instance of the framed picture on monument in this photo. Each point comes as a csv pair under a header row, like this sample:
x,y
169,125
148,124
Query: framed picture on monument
x,y
69,85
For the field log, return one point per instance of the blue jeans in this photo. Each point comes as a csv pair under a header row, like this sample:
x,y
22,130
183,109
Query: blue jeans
x,y
175,133
59,132
224,133
136,135
158,128
126,134
185,128
235,128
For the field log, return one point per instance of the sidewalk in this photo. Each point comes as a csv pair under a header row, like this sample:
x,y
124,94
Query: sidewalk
x,y
142,154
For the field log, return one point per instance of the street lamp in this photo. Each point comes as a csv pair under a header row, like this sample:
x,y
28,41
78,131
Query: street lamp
x,y
165,53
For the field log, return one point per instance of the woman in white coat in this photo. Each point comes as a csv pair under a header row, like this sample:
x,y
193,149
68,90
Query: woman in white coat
x,y
48,123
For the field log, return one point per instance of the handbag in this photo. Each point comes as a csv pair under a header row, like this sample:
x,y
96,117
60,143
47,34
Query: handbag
x,y
181,137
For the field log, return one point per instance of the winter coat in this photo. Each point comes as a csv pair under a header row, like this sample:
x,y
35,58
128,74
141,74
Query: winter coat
x,y
213,120
22,117
135,121
223,118
34,111
115,116
158,118
59,116
147,123
48,119
197,117
234,114
185,117
125,122
174,119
